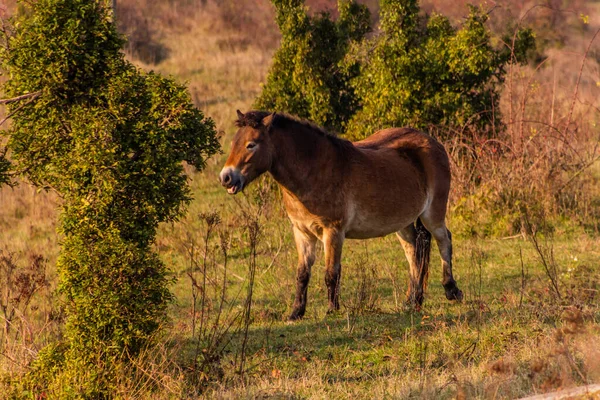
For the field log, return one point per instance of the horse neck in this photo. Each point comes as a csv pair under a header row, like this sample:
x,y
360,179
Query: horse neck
x,y
303,158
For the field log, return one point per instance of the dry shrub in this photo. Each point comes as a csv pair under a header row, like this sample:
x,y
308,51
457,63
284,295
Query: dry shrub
x,y
136,19
154,373
213,318
589,349
18,287
27,320
566,360
544,247
502,366
221,310
539,163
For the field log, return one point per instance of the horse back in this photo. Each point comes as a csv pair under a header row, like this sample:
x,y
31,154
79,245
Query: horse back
x,y
424,152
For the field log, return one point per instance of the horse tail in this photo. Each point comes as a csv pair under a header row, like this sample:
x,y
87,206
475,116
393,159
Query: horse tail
x,y
423,250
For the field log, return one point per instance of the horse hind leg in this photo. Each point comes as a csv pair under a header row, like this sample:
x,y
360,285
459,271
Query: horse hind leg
x,y
450,287
443,238
333,241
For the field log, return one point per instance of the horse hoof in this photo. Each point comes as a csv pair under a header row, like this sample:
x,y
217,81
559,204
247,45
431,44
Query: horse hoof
x,y
414,306
415,300
454,294
295,316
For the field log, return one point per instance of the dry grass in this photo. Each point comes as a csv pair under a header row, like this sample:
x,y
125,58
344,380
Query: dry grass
x,y
28,222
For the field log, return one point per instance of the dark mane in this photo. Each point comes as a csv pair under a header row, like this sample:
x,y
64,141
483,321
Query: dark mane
x,y
254,120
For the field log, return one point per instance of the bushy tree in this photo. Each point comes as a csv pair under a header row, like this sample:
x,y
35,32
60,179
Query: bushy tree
x,y
309,77
418,70
422,71
110,140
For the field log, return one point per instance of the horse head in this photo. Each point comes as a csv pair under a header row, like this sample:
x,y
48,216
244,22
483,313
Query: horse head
x,y
251,151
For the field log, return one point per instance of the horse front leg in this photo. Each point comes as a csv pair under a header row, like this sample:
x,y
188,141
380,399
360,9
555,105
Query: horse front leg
x,y
408,239
333,240
305,244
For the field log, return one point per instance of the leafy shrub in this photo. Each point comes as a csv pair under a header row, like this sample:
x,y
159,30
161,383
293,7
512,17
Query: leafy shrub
x,y
309,77
422,71
418,71
111,141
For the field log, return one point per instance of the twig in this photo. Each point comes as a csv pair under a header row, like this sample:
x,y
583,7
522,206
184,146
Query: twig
x,y
546,255
31,99
9,358
253,233
22,97
511,237
274,258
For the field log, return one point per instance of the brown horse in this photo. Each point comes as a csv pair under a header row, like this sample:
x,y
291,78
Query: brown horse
x,y
396,180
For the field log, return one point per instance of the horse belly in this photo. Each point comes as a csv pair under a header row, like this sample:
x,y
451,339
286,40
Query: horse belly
x,y
387,197
365,227
376,223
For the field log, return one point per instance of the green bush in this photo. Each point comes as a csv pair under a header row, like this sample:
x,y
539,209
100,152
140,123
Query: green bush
x,y
418,70
309,77
111,141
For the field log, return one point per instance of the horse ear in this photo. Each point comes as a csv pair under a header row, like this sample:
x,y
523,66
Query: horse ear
x,y
240,121
268,120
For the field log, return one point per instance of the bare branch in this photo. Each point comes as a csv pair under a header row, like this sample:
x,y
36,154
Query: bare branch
x,y
32,96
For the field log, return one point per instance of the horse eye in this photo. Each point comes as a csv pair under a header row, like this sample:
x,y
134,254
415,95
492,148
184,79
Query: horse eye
x,y
251,145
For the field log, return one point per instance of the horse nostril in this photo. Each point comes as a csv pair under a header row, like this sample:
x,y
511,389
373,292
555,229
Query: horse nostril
x,y
227,179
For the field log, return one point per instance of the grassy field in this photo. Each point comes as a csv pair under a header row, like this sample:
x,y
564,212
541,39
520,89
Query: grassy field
x,y
529,323
513,335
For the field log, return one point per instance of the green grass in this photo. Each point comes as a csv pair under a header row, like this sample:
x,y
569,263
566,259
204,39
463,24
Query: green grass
x,y
375,346
511,336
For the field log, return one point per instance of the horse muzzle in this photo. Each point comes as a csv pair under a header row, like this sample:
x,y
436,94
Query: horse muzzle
x,y
232,180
